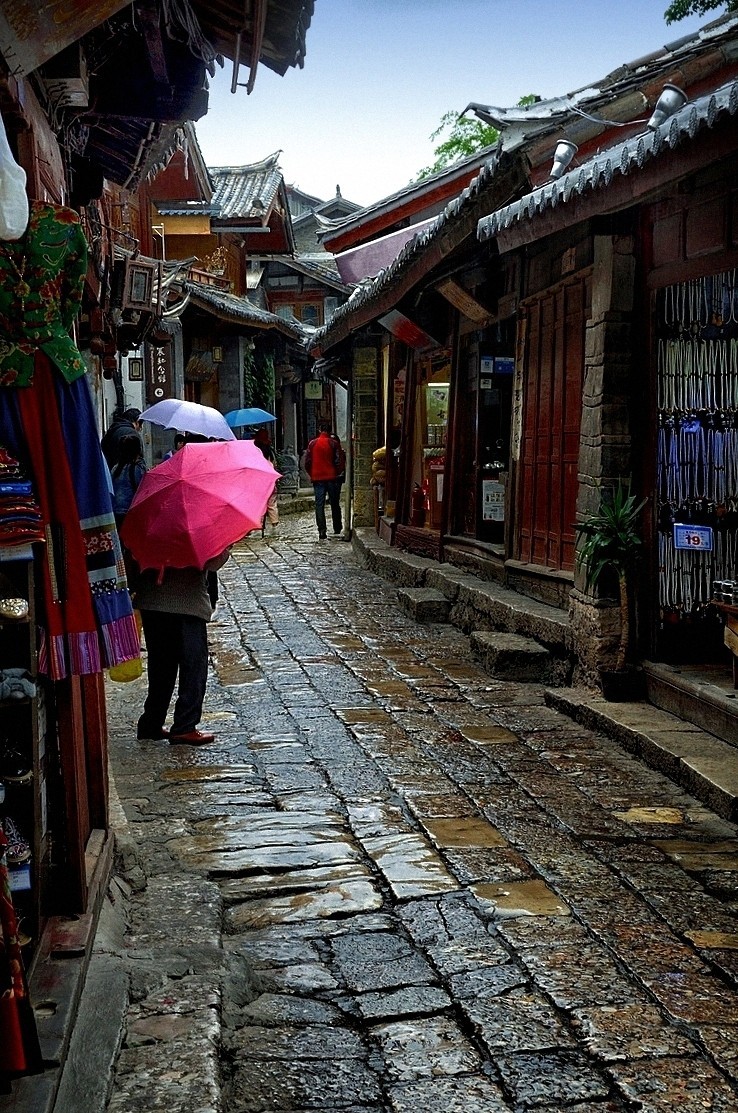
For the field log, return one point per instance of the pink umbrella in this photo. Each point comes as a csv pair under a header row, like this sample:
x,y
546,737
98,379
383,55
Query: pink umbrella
x,y
191,507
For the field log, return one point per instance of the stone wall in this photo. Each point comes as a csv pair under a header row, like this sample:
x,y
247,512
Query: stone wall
x,y
605,450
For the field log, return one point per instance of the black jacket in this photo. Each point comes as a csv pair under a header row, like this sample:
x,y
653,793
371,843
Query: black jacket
x,y
110,443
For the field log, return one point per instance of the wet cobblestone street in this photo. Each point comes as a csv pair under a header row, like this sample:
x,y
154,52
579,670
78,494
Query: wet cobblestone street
x,y
395,885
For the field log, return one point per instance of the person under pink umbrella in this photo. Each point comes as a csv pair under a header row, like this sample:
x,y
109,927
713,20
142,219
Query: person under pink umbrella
x,y
186,514
175,609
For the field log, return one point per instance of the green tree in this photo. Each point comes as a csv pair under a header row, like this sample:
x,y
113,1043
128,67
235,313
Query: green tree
x,y
466,135
680,9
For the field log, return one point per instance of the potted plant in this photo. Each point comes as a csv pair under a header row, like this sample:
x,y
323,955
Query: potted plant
x,y
609,541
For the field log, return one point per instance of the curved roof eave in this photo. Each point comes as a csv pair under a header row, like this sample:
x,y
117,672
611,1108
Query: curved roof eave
x,y
632,155
240,311
505,173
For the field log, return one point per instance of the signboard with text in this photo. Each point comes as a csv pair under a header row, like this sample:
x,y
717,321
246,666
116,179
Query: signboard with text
x,y
159,373
697,538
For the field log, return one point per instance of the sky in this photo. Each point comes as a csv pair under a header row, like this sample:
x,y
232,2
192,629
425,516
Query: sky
x,y
380,74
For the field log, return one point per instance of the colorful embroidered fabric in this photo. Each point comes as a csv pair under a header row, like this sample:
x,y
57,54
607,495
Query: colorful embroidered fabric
x,y
87,618
20,514
41,280
48,425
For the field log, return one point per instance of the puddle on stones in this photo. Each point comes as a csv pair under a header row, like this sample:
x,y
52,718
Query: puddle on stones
x,y
651,815
522,898
355,716
486,734
227,773
461,832
714,940
698,856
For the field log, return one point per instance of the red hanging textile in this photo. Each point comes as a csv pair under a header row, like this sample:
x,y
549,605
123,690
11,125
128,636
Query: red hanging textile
x,y
19,1047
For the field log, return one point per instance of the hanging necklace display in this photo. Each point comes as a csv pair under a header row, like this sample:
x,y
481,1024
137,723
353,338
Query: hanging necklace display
x,y
697,438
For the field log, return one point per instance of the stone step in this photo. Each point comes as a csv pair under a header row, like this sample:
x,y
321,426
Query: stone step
x,y
705,698
513,657
424,604
704,765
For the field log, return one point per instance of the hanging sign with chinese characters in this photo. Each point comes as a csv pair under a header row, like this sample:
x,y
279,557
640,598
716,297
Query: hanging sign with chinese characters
x,y
159,373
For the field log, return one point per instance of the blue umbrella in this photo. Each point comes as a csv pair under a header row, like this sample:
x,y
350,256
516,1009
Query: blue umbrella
x,y
252,416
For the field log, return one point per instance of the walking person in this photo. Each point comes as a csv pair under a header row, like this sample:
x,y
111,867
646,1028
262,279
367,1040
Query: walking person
x,y
264,443
323,465
123,425
129,470
175,613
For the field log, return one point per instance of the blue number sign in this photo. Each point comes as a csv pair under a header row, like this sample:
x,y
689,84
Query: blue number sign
x,y
692,537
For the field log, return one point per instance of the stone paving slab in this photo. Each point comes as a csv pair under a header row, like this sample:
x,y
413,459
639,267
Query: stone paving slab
x,y
491,906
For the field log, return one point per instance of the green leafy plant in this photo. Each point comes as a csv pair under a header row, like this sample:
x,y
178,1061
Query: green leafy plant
x,y
680,9
609,540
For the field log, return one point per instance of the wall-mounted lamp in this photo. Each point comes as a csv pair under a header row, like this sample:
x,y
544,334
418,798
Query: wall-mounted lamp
x,y
671,100
563,155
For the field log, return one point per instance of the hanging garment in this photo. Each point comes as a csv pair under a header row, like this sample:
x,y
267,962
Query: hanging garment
x,y
13,196
47,422
41,280
19,1048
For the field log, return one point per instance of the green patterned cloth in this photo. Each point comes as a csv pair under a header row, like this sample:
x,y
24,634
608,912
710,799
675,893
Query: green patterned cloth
x,y
41,280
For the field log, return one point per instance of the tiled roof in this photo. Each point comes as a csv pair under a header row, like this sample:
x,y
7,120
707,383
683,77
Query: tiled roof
x,y
388,204
700,54
246,192
624,158
370,289
319,265
622,94
240,311
185,208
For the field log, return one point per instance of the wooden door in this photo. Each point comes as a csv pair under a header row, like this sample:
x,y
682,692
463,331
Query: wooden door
x,y
552,409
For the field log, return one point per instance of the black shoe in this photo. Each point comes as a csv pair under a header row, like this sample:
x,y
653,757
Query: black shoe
x,y
152,735
321,537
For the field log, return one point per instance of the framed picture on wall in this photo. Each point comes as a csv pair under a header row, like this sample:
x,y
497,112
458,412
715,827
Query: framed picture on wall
x,y
314,390
135,369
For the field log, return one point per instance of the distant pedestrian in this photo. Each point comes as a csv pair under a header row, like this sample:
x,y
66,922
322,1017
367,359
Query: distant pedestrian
x,y
323,465
123,425
126,474
179,441
264,443
175,613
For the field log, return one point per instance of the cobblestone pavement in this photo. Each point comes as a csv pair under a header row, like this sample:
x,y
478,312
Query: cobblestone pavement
x,y
394,884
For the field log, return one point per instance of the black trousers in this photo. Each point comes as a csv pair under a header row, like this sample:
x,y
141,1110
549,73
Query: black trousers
x,y
330,489
177,646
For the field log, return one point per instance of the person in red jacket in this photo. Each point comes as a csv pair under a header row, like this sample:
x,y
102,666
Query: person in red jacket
x,y
323,465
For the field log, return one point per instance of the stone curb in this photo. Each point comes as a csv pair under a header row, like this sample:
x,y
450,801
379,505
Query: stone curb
x,y
702,764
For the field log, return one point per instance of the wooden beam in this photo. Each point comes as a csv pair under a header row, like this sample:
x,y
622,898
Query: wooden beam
x,y
462,300
149,18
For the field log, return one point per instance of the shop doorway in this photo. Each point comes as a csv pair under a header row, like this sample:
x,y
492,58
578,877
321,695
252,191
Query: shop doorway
x,y
696,337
